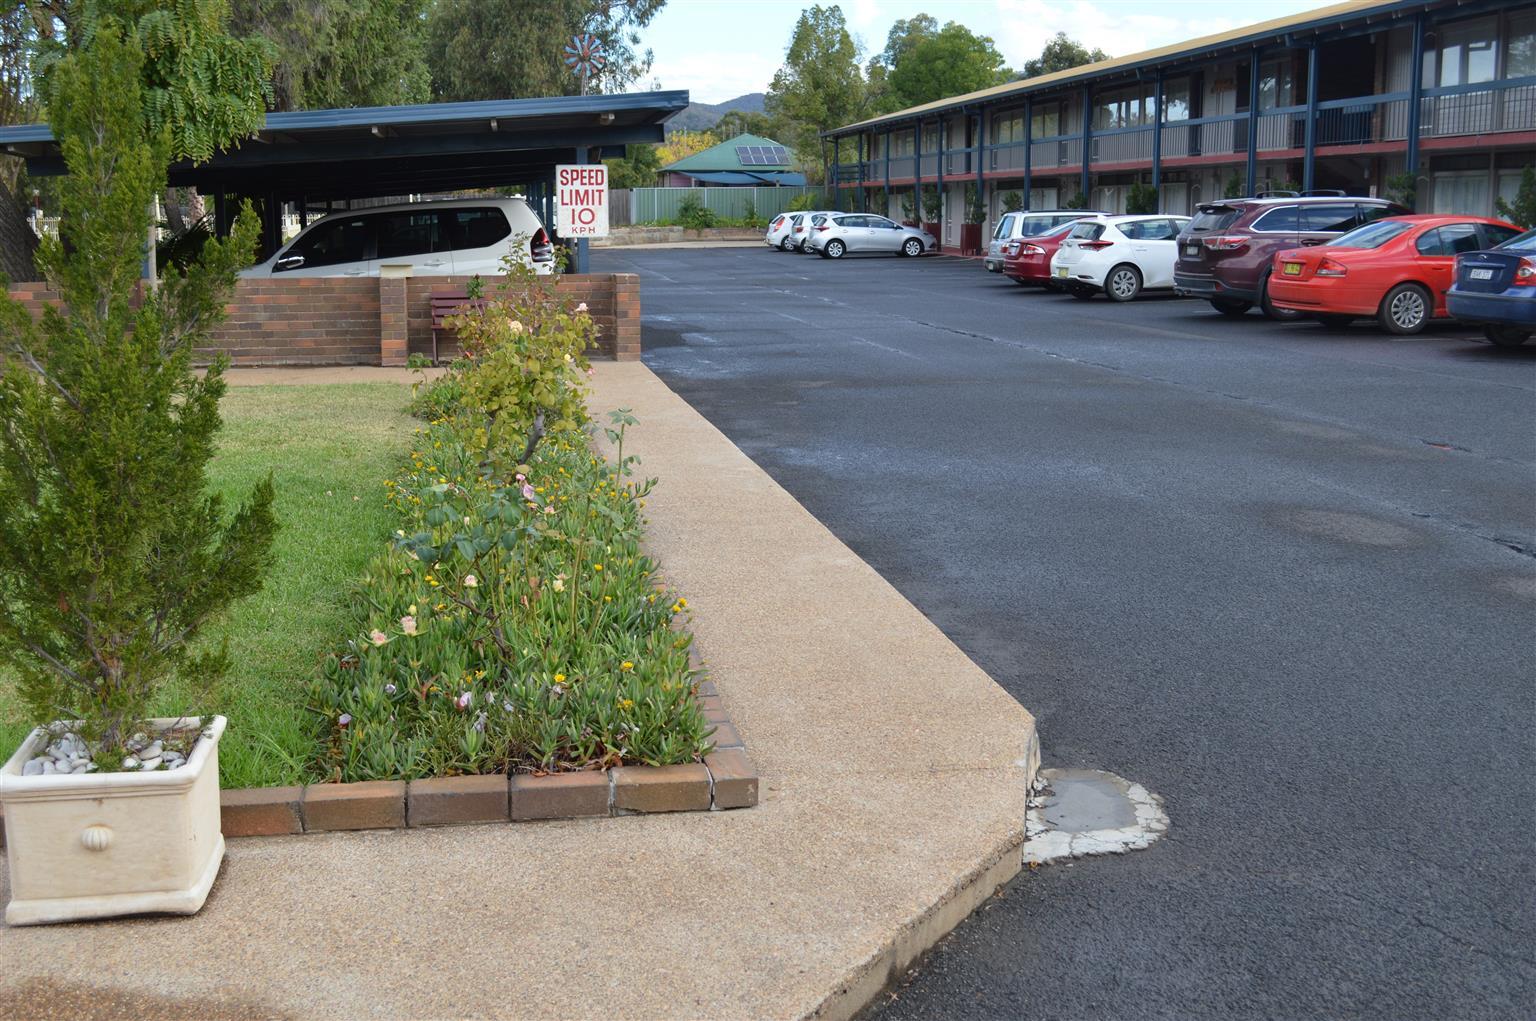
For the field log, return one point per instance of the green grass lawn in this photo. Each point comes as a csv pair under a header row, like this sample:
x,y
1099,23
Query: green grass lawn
x,y
330,448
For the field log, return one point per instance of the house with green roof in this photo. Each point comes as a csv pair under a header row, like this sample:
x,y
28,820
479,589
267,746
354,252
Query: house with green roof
x,y
748,161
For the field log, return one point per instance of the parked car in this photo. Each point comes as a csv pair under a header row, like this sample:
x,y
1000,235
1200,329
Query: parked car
x,y
1496,289
433,238
800,229
1226,254
839,234
1396,270
1119,255
812,221
1027,223
1028,260
778,233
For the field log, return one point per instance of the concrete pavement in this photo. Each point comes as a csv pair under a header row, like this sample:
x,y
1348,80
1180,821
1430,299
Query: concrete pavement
x,y
894,779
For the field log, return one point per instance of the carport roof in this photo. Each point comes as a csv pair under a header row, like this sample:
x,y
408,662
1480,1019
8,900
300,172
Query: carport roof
x,y
395,150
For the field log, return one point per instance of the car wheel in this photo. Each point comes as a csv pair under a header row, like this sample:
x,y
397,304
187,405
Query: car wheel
x,y
1405,310
1279,315
1506,336
1333,321
786,245
1082,292
834,249
1123,283
913,248
1228,307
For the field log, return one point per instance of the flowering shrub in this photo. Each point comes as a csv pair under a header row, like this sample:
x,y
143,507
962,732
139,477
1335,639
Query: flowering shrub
x,y
514,623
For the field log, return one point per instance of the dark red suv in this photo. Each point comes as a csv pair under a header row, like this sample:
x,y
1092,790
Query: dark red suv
x,y
1227,250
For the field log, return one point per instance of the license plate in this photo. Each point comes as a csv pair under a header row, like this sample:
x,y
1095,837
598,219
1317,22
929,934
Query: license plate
x,y
1062,271
1292,269
1482,274
1192,250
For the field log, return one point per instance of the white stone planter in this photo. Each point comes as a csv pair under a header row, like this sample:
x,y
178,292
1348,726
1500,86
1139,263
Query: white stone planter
x,y
94,845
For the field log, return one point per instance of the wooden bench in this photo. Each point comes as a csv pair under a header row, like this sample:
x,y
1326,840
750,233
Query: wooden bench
x,y
446,304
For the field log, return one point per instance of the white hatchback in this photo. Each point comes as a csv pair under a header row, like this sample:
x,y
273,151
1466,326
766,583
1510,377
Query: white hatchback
x,y
1119,255
778,233
460,236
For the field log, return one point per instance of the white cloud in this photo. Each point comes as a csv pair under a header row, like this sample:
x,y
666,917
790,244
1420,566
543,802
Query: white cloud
x,y
718,75
1025,26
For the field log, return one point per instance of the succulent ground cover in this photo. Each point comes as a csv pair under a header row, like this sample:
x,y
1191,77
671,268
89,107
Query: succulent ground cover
x,y
514,624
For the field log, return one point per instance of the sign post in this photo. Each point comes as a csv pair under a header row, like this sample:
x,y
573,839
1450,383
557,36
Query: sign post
x,y
581,191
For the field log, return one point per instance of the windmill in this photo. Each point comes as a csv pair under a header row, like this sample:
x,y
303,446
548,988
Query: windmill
x,y
584,55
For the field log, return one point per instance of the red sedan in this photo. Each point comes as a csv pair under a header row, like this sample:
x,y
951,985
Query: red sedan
x,y
1395,270
1028,260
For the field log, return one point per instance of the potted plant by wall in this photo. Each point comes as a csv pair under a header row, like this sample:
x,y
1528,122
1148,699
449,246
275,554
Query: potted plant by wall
x,y
1012,201
975,215
908,211
933,209
113,553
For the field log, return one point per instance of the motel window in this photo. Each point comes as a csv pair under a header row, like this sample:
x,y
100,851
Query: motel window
x,y
1520,44
1277,85
1465,54
1008,127
1176,100
1122,108
1046,122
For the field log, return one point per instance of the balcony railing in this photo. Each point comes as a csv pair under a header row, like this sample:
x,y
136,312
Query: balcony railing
x,y
1480,109
1483,108
1224,135
1122,145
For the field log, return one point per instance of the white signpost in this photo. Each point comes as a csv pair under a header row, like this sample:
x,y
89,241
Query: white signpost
x,y
581,196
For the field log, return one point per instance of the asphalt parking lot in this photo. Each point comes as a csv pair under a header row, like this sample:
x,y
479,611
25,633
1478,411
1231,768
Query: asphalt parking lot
x,y
1285,576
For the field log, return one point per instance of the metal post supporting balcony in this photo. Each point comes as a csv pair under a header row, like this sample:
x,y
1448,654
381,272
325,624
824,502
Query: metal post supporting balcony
x,y
1157,142
1029,144
1253,122
887,209
1415,93
981,148
1087,179
1309,161
860,201
943,205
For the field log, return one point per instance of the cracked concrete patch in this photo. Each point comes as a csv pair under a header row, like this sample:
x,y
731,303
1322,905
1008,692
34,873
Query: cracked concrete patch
x,y
1078,812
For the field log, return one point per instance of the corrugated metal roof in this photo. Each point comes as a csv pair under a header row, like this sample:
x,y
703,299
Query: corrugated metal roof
x,y
725,157
1353,10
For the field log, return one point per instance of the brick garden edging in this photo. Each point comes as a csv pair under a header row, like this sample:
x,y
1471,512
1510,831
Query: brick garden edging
x,y
726,779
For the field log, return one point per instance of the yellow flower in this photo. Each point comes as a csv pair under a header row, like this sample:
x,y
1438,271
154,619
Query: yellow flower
x,y
597,567
559,678
626,704
607,599
412,609
626,665
681,601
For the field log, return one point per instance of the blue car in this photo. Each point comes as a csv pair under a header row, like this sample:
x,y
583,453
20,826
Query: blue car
x,y
1496,289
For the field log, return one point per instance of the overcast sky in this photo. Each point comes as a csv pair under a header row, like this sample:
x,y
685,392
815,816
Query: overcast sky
x,y
719,49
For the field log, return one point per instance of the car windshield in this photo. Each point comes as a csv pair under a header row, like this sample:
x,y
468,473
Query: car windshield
x,y
1524,243
1372,235
1057,231
1004,227
1089,231
1034,226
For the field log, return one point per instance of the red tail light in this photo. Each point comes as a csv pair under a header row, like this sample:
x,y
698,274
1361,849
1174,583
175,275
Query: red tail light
x,y
1525,273
1032,250
1331,268
822,227
776,221
1226,242
539,248
1094,246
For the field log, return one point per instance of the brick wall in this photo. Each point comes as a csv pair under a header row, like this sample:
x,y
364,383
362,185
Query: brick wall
x,y
339,321
613,301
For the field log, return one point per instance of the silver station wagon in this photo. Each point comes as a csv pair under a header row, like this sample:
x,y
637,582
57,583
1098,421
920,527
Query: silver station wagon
x,y
841,234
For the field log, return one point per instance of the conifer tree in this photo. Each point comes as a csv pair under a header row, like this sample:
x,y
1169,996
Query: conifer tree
x,y
113,554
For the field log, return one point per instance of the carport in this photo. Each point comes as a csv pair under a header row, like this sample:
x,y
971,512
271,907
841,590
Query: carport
x,y
322,159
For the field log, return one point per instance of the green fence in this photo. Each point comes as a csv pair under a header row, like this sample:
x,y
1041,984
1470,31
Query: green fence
x,y
649,205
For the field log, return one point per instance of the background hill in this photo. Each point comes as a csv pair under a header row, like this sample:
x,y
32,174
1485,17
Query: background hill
x,y
700,116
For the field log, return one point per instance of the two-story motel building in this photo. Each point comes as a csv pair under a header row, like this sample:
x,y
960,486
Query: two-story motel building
x,y
1322,99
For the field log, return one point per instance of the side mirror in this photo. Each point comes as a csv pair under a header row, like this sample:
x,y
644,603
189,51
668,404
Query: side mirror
x,y
289,262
